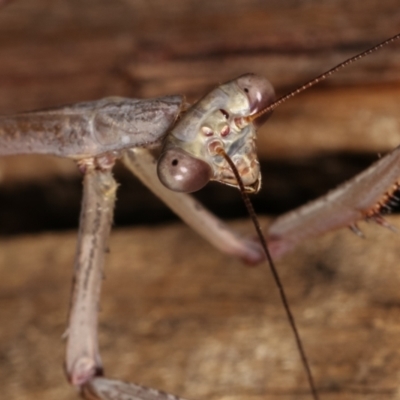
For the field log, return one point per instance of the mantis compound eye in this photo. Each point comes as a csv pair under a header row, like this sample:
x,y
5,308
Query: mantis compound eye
x,y
181,172
260,93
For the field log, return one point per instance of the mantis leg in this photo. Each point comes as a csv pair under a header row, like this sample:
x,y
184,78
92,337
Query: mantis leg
x,y
142,163
109,389
82,353
365,197
83,363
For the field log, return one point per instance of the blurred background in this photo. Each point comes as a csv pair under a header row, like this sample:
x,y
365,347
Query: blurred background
x,y
65,51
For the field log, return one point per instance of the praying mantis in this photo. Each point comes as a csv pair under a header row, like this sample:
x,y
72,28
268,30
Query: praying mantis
x,y
95,134
133,375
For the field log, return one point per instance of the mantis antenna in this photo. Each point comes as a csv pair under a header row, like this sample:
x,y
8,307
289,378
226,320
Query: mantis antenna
x,y
274,271
242,121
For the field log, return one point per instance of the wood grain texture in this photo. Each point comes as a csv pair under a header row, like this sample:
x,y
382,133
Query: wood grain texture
x,y
179,316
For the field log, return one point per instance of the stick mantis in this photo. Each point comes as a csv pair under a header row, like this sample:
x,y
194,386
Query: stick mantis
x,y
95,134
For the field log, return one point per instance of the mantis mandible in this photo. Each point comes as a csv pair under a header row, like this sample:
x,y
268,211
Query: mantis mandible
x,y
95,134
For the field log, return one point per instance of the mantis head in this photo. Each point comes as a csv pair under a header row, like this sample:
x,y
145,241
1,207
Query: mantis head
x,y
191,153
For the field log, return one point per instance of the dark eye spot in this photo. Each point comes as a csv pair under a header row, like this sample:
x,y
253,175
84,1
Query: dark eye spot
x,y
246,90
175,162
225,113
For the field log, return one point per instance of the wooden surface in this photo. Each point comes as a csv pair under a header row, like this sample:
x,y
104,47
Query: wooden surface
x,y
177,315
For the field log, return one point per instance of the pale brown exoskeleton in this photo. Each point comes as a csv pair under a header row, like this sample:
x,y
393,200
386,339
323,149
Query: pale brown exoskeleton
x,y
193,144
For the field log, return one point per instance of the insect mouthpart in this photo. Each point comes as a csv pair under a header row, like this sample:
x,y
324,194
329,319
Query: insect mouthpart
x,y
181,172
